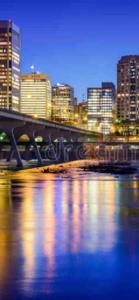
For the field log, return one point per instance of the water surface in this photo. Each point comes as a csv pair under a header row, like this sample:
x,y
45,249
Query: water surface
x,y
72,236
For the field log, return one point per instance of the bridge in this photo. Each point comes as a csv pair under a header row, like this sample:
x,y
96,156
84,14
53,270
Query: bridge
x,y
16,125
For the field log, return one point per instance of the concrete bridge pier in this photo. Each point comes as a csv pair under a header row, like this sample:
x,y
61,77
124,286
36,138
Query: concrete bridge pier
x,y
37,151
32,134
10,155
68,149
51,146
56,147
10,131
14,149
14,134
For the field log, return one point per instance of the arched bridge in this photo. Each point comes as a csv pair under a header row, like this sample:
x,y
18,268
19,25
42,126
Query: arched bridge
x,y
15,125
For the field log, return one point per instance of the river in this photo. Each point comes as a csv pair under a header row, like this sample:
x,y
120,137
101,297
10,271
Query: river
x,y
69,236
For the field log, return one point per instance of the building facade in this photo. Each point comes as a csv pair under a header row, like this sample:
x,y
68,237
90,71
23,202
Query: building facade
x,y
36,95
83,108
9,66
80,114
128,88
63,103
100,107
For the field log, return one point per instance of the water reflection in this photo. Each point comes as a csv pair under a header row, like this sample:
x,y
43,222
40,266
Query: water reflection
x,y
5,235
48,224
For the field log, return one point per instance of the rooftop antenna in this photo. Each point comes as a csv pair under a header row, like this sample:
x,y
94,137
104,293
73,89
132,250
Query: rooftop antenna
x,y
83,95
33,72
32,68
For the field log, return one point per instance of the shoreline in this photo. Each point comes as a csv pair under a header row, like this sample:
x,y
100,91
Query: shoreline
x,y
91,166
87,166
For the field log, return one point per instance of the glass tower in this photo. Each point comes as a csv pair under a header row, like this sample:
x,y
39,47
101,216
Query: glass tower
x,y
63,103
100,107
9,66
36,95
128,88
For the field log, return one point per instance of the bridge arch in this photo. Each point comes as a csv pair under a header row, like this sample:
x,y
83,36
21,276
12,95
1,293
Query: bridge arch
x,y
4,136
24,138
39,138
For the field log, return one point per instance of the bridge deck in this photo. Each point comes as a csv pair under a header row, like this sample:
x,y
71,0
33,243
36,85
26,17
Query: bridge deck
x,y
7,115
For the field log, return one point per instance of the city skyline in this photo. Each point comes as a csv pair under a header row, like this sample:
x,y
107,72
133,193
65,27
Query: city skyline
x,y
9,65
33,94
83,52
69,150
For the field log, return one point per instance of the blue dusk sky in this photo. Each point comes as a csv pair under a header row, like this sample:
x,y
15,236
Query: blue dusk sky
x,y
77,41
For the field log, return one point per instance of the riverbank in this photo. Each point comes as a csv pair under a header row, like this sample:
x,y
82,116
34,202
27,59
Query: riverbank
x,y
59,167
69,230
120,168
93,166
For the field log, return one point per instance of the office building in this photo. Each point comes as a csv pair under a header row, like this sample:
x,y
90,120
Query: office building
x,y
83,107
128,88
100,107
9,66
63,103
36,95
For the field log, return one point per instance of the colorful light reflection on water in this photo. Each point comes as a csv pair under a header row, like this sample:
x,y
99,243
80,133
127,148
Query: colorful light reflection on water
x,y
69,237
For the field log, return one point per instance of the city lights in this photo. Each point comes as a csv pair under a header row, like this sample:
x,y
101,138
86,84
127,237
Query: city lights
x,y
69,150
34,94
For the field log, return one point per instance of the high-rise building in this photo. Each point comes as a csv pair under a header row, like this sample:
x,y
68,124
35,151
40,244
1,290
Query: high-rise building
x,y
128,88
9,66
83,120
76,111
63,103
100,107
36,95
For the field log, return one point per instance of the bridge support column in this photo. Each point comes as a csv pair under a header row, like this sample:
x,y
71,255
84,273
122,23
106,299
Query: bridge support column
x,y
10,155
37,151
15,149
32,133
10,131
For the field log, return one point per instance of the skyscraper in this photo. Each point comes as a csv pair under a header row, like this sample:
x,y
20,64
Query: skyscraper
x,y
100,107
36,95
9,66
83,120
63,102
128,88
